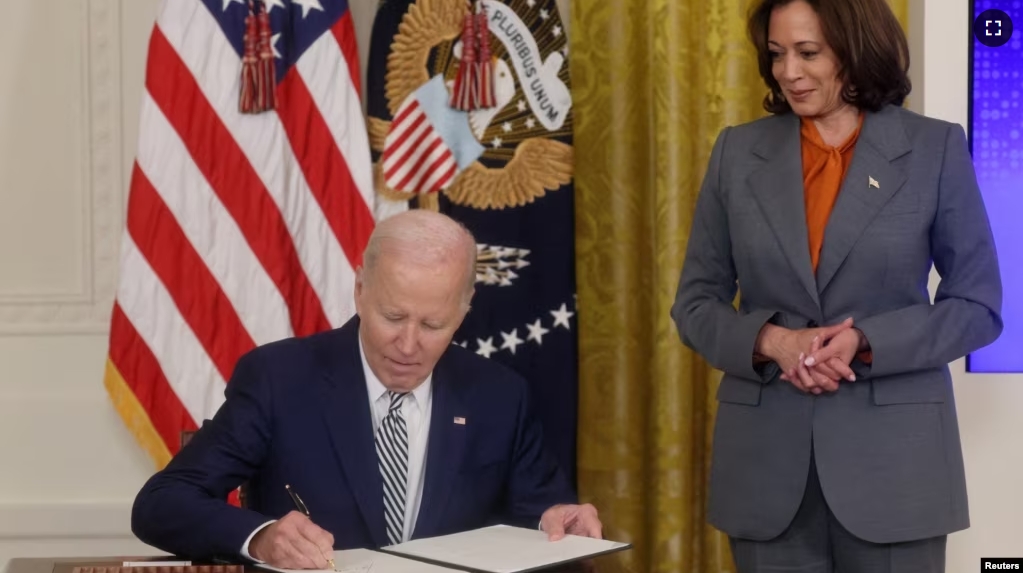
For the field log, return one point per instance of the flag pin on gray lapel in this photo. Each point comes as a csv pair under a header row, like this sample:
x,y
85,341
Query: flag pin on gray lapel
x,y
460,420
871,182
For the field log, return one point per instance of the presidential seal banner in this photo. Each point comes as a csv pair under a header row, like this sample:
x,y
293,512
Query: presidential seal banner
x,y
470,114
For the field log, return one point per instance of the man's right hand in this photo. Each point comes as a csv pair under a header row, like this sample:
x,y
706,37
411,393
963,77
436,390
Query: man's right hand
x,y
293,542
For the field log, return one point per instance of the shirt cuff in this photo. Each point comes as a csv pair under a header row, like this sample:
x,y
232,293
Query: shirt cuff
x,y
245,546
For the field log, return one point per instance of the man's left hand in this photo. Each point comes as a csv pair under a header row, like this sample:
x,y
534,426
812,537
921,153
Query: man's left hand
x,y
565,519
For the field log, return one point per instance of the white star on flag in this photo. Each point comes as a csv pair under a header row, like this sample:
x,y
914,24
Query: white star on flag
x,y
530,123
544,14
556,30
511,340
507,127
273,44
561,316
496,142
228,3
308,5
536,332
486,347
531,3
522,105
271,4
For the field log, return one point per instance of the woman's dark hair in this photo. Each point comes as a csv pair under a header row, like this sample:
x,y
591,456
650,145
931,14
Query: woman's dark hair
x,y
868,41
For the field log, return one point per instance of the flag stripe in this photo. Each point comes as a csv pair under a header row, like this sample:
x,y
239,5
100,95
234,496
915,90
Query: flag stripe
x,y
396,148
443,172
428,163
325,168
168,167
400,165
326,69
408,108
344,35
196,294
217,155
215,65
420,167
140,372
411,161
188,369
397,141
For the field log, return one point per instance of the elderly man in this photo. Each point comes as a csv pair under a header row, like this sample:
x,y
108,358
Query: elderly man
x,y
382,430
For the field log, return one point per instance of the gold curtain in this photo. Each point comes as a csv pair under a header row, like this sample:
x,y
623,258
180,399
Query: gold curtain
x,y
653,82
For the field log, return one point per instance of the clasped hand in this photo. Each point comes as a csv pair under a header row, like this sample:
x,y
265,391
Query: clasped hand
x,y
813,360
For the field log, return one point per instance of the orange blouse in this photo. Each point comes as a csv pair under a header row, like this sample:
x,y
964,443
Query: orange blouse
x,y
824,169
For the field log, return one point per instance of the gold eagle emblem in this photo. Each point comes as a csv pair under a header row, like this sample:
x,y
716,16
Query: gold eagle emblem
x,y
533,161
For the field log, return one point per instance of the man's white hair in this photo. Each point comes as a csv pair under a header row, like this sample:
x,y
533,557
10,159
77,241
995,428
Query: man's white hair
x,y
424,237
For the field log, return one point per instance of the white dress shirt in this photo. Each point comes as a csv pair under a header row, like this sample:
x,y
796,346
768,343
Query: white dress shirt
x,y
416,408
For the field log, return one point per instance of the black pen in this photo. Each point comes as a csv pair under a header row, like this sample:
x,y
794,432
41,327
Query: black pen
x,y
300,505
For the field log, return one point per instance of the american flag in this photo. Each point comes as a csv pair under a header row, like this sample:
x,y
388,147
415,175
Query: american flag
x,y
241,228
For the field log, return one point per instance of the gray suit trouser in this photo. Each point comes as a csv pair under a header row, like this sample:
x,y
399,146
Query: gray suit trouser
x,y
815,542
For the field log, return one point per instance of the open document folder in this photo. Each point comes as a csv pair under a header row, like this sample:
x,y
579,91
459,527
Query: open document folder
x,y
503,549
497,549
367,561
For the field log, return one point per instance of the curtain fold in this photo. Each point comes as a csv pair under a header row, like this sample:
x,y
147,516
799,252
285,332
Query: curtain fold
x,y
653,83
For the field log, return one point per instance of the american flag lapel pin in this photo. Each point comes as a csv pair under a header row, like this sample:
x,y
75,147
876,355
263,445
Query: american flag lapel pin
x,y
460,420
871,182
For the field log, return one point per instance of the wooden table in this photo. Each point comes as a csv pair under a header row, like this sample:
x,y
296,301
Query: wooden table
x,y
68,564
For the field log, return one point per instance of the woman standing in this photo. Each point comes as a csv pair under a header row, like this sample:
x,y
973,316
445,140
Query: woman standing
x,y
837,444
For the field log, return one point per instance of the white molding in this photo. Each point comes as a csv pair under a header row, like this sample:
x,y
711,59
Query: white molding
x,y
88,309
74,520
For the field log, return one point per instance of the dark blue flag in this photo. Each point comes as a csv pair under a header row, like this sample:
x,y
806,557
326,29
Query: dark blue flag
x,y
500,161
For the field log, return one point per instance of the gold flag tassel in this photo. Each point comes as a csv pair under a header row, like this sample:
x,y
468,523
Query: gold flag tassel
x,y
484,63
259,75
267,70
462,96
248,88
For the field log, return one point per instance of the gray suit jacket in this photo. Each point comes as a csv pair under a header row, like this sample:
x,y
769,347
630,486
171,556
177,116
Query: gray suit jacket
x,y
887,446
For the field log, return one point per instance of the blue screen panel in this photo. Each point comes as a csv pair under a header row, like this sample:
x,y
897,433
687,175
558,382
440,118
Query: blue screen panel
x,y
996,139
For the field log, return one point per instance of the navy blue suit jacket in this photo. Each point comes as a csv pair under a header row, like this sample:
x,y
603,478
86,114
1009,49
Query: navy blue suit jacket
x,y
297,412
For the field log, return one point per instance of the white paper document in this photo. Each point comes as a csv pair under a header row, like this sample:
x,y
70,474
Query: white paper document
x,y
366,561
504,549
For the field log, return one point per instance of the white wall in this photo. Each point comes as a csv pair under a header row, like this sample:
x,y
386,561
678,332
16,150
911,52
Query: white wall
x,y
69,106
68,121
989,405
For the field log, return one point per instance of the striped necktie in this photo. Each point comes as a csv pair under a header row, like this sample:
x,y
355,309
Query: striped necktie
x,y
392,450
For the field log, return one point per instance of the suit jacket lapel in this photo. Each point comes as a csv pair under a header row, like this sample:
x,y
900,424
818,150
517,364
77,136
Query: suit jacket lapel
x,y
350,426
778,189
882,140
444,450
